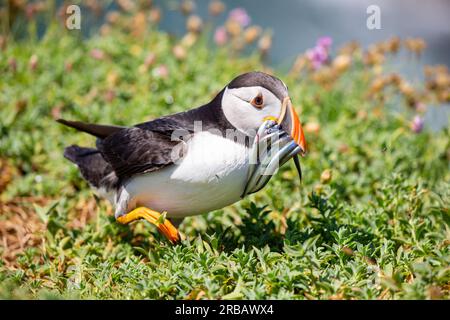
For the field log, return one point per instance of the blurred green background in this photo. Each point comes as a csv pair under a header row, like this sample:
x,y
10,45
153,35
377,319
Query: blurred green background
x,y
369,220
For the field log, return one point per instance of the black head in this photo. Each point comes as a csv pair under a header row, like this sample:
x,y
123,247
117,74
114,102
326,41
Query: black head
x,y
252,98
260,79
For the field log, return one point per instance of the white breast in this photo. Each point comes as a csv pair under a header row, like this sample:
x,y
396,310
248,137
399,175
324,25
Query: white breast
x,y
211,176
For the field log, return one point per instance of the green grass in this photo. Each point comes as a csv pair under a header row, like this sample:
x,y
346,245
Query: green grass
x,y
378,228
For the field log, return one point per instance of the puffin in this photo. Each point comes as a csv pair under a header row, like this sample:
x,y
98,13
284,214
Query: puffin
x,y
195,161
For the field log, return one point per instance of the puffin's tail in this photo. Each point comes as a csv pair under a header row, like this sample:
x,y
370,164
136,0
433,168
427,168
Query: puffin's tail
x,y
90,161
99,130
93,167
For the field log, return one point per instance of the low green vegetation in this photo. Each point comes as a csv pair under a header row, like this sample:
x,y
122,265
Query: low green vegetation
x,y
370,219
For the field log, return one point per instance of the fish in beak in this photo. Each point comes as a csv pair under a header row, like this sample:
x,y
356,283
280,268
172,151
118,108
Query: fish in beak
x,y
277,141
291,123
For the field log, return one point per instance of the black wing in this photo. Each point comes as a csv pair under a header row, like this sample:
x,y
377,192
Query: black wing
x,y
136,150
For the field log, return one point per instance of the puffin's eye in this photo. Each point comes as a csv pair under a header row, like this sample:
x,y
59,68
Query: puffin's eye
x,y
258,101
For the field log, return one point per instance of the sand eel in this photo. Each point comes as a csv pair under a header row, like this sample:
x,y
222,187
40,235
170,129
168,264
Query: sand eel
x,y
196,161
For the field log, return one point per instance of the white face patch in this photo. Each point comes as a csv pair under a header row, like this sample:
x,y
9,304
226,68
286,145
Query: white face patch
x,y
237,107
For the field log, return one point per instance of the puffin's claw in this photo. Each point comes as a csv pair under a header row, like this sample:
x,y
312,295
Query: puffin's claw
x,y
164,225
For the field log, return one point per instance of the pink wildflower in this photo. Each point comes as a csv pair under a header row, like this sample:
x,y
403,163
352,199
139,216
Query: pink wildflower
x,y
220,36
324,42
320,53
97,54
417,124
240,16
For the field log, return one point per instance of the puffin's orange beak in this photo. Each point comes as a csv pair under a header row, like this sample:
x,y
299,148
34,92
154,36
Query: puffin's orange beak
x,y
292,121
